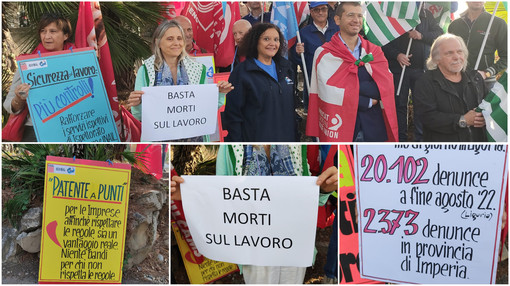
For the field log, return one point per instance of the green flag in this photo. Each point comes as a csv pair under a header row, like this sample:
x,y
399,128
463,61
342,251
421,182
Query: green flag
x,y
441,12
386,21
495,109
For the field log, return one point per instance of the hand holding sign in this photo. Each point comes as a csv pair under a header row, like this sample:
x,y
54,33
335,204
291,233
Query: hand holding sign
x,y
328,180
175,187
224,86
135,98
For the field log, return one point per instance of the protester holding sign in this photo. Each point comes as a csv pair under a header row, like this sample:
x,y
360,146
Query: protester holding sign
x,y
55,32
261,108
170,65
268,160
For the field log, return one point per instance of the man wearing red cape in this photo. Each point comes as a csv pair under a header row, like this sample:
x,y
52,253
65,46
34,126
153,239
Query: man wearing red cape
x,y
351,93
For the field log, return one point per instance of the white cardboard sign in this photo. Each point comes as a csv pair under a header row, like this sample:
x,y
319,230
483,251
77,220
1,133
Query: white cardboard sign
x,y
430,213
265,221
179,111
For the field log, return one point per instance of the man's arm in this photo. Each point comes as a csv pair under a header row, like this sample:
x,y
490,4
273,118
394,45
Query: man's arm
x,y
434,30
501,47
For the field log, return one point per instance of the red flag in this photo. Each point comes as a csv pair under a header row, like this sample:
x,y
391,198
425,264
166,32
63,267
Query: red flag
x,y
172,9
90,32
224,48
153,162
132,127
212,28
302,11
203,16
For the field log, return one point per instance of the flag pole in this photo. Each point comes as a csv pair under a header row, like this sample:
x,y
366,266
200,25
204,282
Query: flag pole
x,y
263,10
307,81
407,55
486,36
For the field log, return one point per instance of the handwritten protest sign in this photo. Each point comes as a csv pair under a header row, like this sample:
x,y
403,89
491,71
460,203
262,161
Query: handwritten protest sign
x,y
67,99
249,220
208,61
349,254
180,111
204,272
430,213
84,221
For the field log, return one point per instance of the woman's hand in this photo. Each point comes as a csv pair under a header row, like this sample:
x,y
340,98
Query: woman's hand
x,y
328,180
135,98
175,188
21,95
224,86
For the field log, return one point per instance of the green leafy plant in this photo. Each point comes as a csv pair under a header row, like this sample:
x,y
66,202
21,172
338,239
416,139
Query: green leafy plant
x,y
25,165
125,23
127,256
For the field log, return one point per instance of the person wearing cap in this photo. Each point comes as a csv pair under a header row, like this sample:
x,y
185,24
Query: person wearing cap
x,y
472,27
313,36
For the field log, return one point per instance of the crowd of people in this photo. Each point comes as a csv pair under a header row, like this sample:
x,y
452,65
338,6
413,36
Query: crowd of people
x,y
353,83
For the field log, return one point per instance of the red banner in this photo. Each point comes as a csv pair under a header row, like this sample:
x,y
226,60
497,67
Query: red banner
x,y
349,250
152,158
90,32
212,28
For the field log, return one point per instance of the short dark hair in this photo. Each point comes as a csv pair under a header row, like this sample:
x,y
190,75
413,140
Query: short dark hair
x,y
59,20
340,8
249,43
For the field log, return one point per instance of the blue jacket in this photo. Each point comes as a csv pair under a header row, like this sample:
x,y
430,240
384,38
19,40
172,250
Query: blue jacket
x,y
312,38
261,109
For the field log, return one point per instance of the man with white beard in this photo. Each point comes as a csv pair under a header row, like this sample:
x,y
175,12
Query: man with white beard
x,y
447,95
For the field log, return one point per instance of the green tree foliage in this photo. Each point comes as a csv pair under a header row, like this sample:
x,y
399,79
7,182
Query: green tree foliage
x,y
124,24
24,165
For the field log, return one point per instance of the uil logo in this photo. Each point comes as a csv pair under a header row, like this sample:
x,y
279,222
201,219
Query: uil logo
x,y
70,170
336,123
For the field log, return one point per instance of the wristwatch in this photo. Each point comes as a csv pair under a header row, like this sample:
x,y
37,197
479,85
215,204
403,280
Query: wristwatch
x,y
487,75
462,122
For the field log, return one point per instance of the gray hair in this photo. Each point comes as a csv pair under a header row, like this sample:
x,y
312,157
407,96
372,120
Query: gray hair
x,y
156,39
435,54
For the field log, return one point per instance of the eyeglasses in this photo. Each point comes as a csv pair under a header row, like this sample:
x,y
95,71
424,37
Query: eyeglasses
x,y
318,10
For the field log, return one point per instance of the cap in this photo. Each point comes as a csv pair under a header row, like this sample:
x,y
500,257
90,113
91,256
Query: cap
x,y
317,3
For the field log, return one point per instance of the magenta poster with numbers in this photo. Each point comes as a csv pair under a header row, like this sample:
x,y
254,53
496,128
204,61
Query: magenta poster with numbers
x,y
432,213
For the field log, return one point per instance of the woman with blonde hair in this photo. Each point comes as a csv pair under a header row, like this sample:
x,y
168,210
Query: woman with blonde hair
x,y
169,65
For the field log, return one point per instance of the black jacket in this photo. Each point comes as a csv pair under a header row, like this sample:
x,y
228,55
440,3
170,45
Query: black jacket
x,y
440,107
420,49
261,109
473,37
